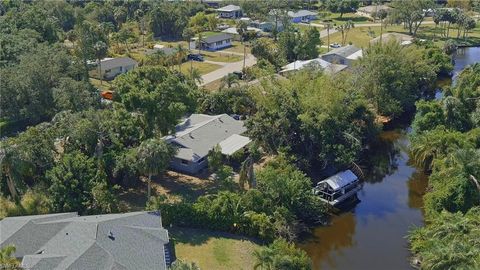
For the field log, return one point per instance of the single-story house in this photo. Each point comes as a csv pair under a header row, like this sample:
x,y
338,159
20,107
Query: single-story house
x,y
196,135
302,16
234,32
400,38
370,11
230,12
327,67
267,26
112,67
343,55
133,241
216,42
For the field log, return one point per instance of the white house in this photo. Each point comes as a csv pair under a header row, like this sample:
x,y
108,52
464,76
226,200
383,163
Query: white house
x,y
112,67
230,12
343,55
216,42
234,32
304,16
371,11
200,133
327,67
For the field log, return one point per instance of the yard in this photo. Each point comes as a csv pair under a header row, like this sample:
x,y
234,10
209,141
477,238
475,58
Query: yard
x,y
236,47
213,250
221,56
361,36
335,18
105,85
202,67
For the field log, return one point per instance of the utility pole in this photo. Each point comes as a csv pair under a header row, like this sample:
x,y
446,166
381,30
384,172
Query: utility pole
x,y
244,54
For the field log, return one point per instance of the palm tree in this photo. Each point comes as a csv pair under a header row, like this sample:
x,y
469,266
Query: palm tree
x,y
181,54
229,80
196,76
7,260
153,157
100,52
13,165
180,265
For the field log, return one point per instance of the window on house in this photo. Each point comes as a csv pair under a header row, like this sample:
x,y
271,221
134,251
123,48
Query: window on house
x,y
219,43
201,160
184,161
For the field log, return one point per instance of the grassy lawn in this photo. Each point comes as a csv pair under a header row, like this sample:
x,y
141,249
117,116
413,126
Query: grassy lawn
x,y
202,67
102,87
208,34
335,17
213,250
221,57
359,36
236,47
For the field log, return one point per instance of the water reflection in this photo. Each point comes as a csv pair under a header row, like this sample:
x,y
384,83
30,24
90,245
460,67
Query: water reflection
x,y
372,234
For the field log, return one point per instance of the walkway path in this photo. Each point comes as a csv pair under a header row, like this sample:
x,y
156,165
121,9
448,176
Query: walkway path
x,y
227,68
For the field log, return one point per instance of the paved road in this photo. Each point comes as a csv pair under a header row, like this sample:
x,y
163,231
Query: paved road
x,y
226,68
356,25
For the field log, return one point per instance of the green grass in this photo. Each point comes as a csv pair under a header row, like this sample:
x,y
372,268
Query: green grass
x,y
236,47
213,250
202,67
221,57
102,87
335,18
359,35
209,33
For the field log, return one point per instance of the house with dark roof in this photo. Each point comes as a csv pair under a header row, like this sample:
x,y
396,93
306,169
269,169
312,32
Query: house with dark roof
x,y
346,55
133,240
112,67
230,12
196,135
216,42
304,16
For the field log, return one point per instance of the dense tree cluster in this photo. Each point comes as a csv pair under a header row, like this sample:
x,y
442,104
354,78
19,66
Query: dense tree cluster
x,y
446,141
321,120
277,207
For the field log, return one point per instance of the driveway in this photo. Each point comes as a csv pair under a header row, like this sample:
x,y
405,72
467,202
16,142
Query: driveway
x,y
227,68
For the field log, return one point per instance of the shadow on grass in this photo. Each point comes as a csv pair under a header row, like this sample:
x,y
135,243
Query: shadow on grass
x,y
353,19
197,237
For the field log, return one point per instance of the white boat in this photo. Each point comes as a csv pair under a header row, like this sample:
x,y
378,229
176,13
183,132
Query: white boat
x,y
338,188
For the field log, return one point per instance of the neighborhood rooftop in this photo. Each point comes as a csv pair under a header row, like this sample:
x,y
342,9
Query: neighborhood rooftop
x,y
110,63
344,51
68,241
341,179
229,8
301,13
328,67
216,38
200,133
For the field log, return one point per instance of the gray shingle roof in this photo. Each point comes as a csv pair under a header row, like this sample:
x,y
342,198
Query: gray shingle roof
x,y
344,51
67,241
117,62
301,13
229,8
200,133
215,38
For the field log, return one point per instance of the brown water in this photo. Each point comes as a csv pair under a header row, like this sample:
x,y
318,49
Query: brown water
x,y
372,234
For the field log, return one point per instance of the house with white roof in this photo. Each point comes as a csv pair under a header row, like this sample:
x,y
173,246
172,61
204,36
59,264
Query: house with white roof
x,y
215,42
126,241
304,16
196,135
230,12
327,67
112,67
343,56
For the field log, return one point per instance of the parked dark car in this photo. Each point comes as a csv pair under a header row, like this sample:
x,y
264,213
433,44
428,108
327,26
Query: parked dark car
x,y
195,57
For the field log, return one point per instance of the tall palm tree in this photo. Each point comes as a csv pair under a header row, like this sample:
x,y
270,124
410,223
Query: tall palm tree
x,y
100,49
181,54
153,157
13,165
196,76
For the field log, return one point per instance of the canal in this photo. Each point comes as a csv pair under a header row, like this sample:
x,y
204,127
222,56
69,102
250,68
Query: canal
x,y
372,235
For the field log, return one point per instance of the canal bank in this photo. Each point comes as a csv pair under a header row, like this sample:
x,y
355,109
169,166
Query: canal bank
x,y
372,235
